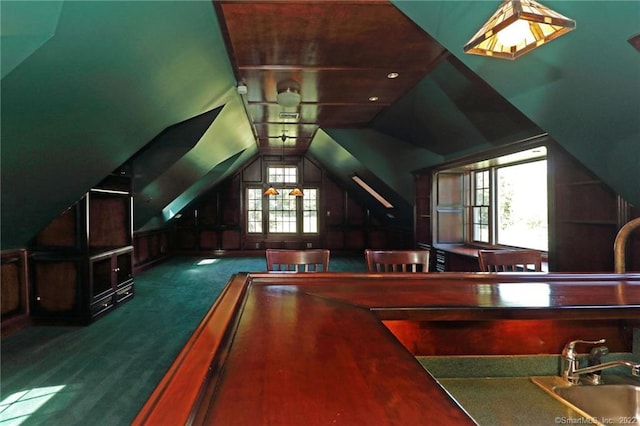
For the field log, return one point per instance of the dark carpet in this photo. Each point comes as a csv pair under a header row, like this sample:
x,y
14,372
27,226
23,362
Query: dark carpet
x,y
103,373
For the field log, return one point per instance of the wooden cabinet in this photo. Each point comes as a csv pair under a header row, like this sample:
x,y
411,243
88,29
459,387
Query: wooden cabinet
x,y
456,259
150,247
14,292
110,280
81,264
586,218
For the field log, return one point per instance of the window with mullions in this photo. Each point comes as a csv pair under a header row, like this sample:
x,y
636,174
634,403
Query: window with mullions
x,y
282,212
507,201
282,174
310,211
480,207
254,210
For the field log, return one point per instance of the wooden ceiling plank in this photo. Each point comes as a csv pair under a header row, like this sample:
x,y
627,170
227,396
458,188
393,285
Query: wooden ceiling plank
x,y
334,50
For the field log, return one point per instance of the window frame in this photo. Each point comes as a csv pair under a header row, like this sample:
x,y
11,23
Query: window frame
x,y
283,186
492,161
273,213
259,191
485,205
303,210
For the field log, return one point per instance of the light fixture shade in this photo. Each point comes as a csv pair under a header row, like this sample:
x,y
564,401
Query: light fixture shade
x,y
271,191
288,93
296,192
518,27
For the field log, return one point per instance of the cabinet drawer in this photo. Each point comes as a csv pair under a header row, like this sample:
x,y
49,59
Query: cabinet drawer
x,y
124,293
101,306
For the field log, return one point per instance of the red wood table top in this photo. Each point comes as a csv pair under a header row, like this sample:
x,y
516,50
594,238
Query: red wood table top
x,y
310,348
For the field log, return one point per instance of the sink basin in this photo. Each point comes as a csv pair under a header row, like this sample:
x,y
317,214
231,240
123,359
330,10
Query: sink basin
x,y
615,402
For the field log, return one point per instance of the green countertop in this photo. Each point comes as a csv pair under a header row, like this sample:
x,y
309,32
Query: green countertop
x,y
514,401
498,391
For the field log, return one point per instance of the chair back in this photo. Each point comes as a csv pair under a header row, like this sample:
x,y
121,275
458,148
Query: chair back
x,y
397,260
316,260
510,260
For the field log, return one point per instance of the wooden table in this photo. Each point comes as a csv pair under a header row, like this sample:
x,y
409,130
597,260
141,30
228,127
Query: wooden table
x,y
311,348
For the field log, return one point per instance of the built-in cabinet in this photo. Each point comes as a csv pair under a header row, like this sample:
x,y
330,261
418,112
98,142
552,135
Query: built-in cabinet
x,y
455,258
14,290
151,247
81,264
587,215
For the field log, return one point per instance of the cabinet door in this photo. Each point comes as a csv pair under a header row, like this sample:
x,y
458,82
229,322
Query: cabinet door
x,y
450,208
57,291
109,220
101,277
13,285
123,268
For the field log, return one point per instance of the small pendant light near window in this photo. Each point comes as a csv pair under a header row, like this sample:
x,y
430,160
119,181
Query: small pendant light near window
x,y
518,27
296,192
271,191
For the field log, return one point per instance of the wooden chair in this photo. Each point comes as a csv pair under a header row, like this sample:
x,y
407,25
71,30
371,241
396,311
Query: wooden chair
x,y
316,260
397,260
510,260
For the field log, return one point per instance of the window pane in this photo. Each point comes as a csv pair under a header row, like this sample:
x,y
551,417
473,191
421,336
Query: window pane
x,y
254,210
310,211
282,212
481,203
481,188
282,174
481,224
522,205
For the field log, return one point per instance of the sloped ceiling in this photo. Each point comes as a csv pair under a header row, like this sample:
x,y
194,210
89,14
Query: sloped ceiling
x,y
452,110
361,152
583,88
87,85
220,142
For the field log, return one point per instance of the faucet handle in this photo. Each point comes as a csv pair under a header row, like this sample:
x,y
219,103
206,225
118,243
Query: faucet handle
x,y
569,351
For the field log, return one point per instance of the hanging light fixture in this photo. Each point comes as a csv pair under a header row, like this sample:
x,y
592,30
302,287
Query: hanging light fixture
x,y
288,93
271,191
296,192
518,27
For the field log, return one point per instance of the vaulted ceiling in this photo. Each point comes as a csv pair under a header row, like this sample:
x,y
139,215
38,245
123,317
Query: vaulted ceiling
x,y
87,86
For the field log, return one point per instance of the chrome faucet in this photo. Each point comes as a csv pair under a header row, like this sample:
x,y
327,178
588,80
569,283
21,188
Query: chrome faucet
x,y
571,371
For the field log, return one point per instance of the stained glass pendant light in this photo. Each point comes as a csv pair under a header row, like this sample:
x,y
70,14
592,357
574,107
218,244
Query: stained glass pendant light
x,y
517,27
271,191
296,192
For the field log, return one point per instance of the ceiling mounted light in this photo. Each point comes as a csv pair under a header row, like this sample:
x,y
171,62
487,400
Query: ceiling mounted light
x,y
392,75
518,27
288,93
